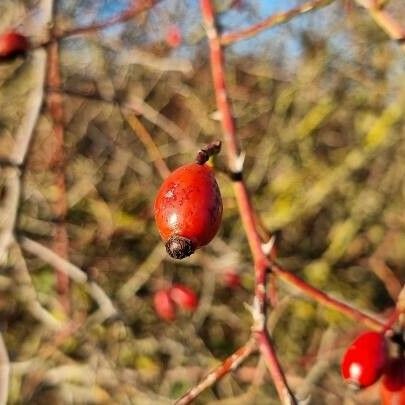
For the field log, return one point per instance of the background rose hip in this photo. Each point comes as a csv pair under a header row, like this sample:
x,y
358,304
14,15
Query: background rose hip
x,y
173,36
164,306
12,43
231,279
184,297
392,387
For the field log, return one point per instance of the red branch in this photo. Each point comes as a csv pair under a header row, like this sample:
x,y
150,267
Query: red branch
x,y
326,300
270,357
235,160
275,19
384,20
229,364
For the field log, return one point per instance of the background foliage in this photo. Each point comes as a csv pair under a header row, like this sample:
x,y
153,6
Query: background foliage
x,y
319,104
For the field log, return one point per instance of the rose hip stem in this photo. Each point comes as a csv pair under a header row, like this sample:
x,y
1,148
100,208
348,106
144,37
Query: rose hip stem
x,y
207,151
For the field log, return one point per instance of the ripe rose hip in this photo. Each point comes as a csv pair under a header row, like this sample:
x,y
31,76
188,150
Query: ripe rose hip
x,y
365,359
12,44
392,387
232,279
164,306
184,297
188,209
173,36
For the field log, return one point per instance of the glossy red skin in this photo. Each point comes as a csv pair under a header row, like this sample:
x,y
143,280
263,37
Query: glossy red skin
x,y
365,359
189,204
12,43
164,305
184,297
392,387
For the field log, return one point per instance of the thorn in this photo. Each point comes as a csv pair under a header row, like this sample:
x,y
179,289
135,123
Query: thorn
x,y
268,246
216,115
304,401
257,315
238,163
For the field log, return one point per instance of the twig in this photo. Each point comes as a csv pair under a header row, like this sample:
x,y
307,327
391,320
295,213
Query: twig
x,y
231,363
146,138
27,293
386,275
4,372
400,307
152,62
273,20
385,21
270,357
74,273
142,273
325,299
137,7
139,106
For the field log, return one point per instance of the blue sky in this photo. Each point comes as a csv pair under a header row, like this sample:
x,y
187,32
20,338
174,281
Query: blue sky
x,y
232,20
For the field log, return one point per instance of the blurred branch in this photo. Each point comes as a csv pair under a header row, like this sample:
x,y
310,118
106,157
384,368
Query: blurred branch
x,y
59,204
137,7
4,372
146,138
273,20
385,21
18,155
153,62
27,293
74,273
231,363
386,275
400,307
138,106
142,273
321,366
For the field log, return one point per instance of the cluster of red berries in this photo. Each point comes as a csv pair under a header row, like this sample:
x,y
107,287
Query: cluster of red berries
x,y
178,295
367,359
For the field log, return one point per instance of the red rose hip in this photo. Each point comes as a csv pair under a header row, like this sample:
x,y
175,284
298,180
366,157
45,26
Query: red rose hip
x,y
184,297
164,306
364,360
173,36
12,44
392,387
188,207
232,279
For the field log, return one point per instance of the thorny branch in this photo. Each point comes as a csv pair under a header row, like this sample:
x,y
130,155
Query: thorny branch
x,y
273,20
235,160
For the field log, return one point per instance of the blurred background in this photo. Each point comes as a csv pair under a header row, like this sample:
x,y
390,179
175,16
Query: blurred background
x,y
319,105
